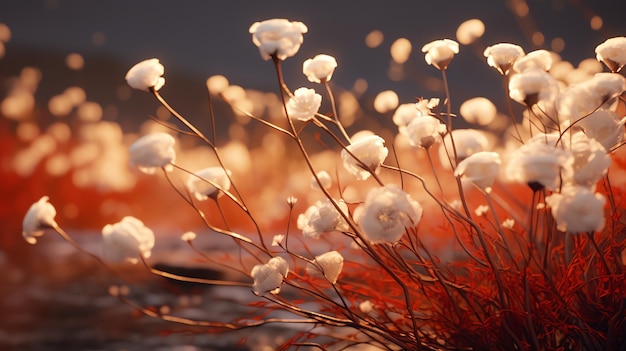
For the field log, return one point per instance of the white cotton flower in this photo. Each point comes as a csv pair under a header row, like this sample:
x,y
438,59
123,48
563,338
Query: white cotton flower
x,y
613,53
304,104
188,236
541,59
425,131
579,100
322,217
146,75
591,161
127,240
269,277
480,168
208,183
319,68
278,239
502,56
324,178
478,110
481,210
39,216
153,151
539,163
370,153
532,85
386,213
328,264
470,31
440,53
404,114
278,36
604,126
577,209
508,223
466,142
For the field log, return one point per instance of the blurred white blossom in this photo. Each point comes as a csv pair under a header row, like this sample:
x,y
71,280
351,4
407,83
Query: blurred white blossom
x,y
440,53
541,59
278,36
126,240
481,168
200,183
269,277
323,217
466,142
590,159
40,216
386,213
153,151
577,209
370,153
319,68
324,178
425,131
304,104
145,75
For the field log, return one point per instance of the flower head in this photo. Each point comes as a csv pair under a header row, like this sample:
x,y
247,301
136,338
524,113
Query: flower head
x,y
322,217
324,179
541,59
502,56
126,240
613,53
320,68
370,152
577,209
481,168
146,75
153,151
278,36
200,184
604,126
531,86
466,142
39,216
304,104
269,277
328,264
439,53
425,131
590,159
386,213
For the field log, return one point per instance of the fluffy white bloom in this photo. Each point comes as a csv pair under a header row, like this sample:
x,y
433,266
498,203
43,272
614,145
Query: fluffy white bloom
x,y
322,217
532,85
269,277
404,114
481,168
386,213
425,131
478,110
577,209
613,53
466,142
502,56
541,59
188,236
470,31
591,162
304,104
370,153
199,183
278,239
508,223
578,100
153,151
439,53
324,178
126,240
39,216
539,162
604,126
319,68
145,75
328,264
277,36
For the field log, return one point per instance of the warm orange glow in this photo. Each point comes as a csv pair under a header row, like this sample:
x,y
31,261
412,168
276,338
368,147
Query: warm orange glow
x,y
75,61
374,39
596,22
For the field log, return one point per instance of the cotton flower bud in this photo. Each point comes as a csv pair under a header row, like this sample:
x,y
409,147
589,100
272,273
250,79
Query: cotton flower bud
x,y
269,277
39,216
328,264
440,53
577,209
370,153
304,104
278,37
612,53
146,75
127,240
480,168
320,68
153,151
386,214
208,183
502,56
